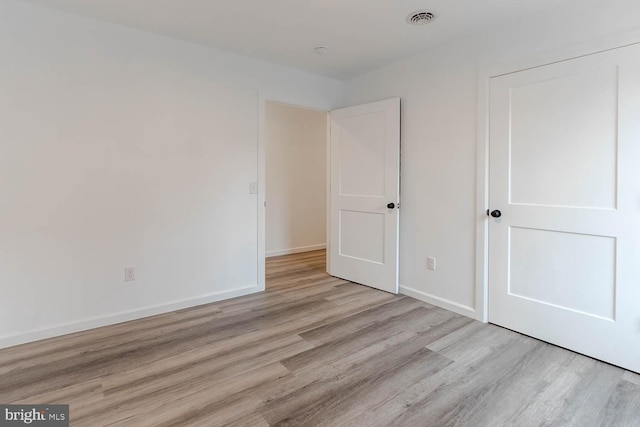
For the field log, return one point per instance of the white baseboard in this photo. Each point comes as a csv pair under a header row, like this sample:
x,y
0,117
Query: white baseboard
x,y
295,250
437,301
97,322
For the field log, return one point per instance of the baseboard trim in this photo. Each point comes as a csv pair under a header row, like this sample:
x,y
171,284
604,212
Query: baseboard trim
x,y
295,250
97,322
437,301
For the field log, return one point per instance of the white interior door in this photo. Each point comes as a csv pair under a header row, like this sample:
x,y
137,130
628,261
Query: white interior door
x,y
364,194
564,257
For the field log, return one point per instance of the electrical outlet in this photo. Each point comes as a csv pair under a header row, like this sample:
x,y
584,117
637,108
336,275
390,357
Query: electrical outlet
x,y
129,274
431,263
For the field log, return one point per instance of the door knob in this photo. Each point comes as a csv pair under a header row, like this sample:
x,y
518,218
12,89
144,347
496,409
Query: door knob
x,y
496,214
391,205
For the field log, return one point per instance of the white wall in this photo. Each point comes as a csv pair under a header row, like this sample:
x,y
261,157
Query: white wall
x,y
122,148
439,133
296,179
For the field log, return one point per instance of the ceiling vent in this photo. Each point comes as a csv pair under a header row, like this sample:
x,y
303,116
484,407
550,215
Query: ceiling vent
x,y
420,17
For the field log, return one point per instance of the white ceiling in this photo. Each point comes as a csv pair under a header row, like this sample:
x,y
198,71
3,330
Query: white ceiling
x,y
360,34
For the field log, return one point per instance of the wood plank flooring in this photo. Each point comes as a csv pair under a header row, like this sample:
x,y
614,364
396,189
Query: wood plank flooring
x,y
316,351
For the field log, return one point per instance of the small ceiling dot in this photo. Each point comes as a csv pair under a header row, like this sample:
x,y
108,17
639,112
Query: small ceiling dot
x,y
321,50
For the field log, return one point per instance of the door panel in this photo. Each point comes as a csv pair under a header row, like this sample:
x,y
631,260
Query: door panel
x,y
362,142
535,273
564,156
551,121
362,235
365,178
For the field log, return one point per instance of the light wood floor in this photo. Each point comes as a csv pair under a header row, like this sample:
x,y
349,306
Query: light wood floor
x,y
316,351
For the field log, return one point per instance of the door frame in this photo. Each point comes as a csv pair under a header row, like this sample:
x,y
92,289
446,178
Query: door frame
x,y
485,73
262,175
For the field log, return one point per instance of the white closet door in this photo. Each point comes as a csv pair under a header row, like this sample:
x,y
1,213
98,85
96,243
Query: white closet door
x,y
564,256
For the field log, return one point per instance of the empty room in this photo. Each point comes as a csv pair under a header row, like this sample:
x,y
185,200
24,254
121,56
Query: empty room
x,y
320,213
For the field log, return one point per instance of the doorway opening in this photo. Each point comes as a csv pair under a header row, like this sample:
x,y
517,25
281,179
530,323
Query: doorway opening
x,y
295,187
